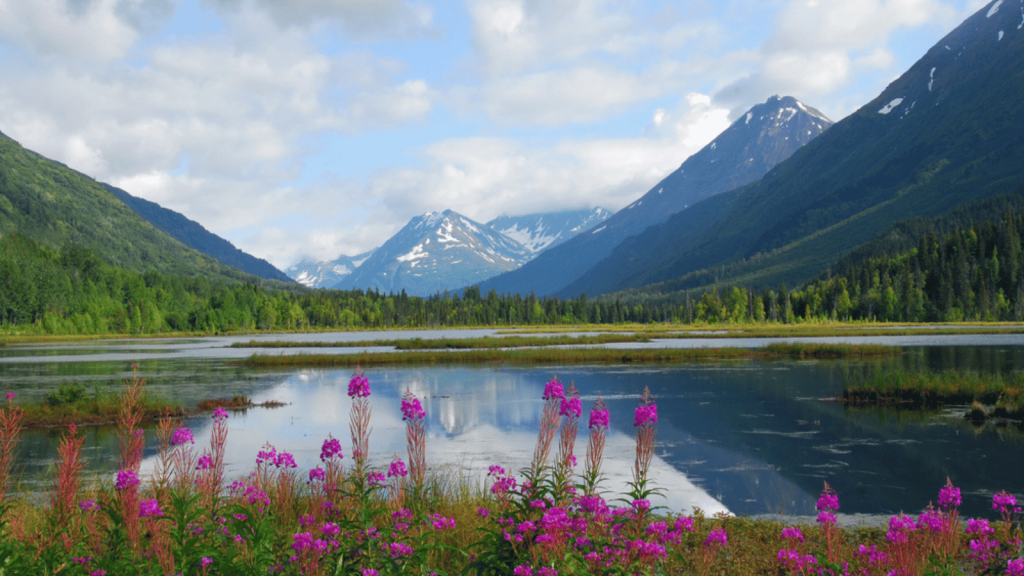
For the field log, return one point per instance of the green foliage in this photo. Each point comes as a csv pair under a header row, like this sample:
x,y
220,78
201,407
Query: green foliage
x,y
56,206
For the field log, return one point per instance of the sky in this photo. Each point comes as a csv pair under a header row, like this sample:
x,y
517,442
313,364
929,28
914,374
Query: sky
x,y
320,127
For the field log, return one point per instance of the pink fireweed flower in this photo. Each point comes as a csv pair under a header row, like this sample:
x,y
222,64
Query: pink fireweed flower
x,y
317,474
369,572
645,415
399,549
522,570
220,414
979,526
1015,567
717,536
598,416
495,471
150,508
1004,502
205,462
375,479
438,522
792,533
358,386
204,562
266,455
182,436
795,561
829,500
931,520
411,407
126,479
397,468
949,496
684,524
571,407
330,449
88,505
553,390
10,395
285,460
899,526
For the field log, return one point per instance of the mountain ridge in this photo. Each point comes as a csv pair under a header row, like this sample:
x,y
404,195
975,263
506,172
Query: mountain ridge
x,y
942,134
767,134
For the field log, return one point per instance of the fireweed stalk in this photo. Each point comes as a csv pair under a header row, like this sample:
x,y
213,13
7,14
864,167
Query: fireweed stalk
x,y
131,440
828,505
645,417
210,466
359,420
416,439
549,422
595,447
10,433
570,409
64,497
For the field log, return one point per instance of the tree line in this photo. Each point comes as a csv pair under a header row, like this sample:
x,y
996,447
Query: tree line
x,y
973,272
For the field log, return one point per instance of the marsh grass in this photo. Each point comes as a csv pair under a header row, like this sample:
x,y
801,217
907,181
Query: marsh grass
x,y
780,351
922,388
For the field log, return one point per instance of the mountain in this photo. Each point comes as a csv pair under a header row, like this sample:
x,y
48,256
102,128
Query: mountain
x,y
766,135
945,133
538,232
54,205
325,273
193,235
436,252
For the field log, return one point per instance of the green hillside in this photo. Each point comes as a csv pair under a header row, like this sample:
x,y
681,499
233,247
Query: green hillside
x,y
55,206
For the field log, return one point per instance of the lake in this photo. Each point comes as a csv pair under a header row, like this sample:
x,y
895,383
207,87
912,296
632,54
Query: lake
x,y
745,437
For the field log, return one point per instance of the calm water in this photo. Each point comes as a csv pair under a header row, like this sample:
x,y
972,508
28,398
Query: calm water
x,y
747,437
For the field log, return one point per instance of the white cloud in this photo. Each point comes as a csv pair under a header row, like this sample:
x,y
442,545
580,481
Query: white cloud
x,y
69,30
358,18
820,47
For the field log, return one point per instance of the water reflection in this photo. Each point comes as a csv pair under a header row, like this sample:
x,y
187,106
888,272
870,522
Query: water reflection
x,y
749,437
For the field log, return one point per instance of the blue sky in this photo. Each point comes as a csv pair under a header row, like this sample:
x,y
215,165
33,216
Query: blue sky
x,y
319,127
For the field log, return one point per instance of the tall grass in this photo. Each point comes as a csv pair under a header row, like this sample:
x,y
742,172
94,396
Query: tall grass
x,y
573,355
929,388
361,520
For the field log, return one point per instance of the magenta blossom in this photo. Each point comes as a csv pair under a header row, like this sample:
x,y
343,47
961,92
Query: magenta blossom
x,y
411,407
949,496
10,395
88,505
571,407
358,386
1003,501
646,415
553,390
126,479
317,474
375,479
182,436
598,415
150,509
330,449
793,533
717,536
205,462
285,460
266,455
397,468
220,414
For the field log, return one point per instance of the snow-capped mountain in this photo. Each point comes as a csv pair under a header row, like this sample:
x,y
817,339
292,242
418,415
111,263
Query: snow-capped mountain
x,y
538,232
435,252
325,273
766,135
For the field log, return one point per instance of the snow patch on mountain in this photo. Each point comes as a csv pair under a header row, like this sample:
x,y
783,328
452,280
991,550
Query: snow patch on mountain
x,y
891,106
538,232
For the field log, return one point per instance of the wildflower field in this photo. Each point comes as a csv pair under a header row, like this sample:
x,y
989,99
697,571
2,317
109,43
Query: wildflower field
x,y
347,516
